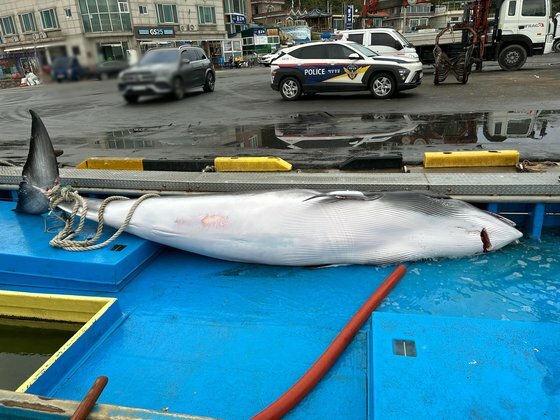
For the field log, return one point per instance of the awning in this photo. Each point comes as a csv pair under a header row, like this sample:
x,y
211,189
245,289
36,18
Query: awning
x,y
32,47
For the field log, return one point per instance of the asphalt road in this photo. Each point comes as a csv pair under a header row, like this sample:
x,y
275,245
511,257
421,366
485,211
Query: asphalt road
x,y
90,118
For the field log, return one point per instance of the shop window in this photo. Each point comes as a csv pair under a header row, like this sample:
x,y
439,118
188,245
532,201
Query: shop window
x,y
206,15
68,13
27,22
167,13
143,10
48,19
8,27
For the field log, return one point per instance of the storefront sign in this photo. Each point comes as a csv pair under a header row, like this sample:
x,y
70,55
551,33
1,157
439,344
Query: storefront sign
x,y
349,16
238,19
155,32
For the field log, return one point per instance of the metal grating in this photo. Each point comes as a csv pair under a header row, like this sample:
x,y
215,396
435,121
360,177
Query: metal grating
x,y
465,184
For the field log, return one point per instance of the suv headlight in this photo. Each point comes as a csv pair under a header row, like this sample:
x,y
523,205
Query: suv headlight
x,y
403,73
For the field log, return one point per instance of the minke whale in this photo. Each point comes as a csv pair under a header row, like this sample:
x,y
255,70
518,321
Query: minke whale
x,y
293,227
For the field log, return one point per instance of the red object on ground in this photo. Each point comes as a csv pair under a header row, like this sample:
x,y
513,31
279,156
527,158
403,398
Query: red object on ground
x,y
308,381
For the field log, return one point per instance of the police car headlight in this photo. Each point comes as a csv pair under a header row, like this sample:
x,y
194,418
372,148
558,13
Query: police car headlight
x,y
403,73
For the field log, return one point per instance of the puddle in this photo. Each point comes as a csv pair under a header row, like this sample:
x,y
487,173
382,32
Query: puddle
x,y
372,131
26,345
322,140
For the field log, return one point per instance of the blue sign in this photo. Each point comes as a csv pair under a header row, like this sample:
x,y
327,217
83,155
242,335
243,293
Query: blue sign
x,y
154,32
238,19
259,32
349,16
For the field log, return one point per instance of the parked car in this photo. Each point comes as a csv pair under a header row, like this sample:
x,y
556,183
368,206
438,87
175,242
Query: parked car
x,y
383,41
107,69
66,68
168,71
342,66
267,59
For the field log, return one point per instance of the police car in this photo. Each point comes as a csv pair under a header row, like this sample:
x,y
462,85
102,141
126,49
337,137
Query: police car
x,y
340,66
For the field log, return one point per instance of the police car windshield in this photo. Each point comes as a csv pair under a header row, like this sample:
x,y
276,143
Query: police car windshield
x,y
362,50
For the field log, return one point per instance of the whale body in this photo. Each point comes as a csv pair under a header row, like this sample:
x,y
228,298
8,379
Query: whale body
x,y
309,228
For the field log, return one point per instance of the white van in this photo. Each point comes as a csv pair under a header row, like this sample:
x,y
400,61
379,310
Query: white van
x,y
384,41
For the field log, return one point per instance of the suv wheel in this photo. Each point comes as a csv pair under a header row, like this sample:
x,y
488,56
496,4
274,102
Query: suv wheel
x,y
382,85
131,99
210,82
178,90
290,88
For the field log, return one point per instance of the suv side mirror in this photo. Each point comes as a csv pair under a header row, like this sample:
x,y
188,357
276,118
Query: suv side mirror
x,y
398,45
185,61
354,56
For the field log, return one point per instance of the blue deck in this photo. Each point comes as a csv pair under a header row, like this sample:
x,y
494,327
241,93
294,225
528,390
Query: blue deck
x,y
222,339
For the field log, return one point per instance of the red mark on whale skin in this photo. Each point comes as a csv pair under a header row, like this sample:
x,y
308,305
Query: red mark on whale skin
x,y
214,220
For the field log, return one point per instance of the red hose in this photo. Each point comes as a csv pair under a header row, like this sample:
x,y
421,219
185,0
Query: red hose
x,y
308,381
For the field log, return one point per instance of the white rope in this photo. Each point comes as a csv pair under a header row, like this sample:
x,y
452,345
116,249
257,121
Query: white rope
x,y
65,238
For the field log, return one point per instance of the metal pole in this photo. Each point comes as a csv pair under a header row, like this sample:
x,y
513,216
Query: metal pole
x,y
87,404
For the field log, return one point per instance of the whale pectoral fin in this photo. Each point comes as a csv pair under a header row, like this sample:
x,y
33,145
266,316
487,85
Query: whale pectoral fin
x,y
345,195
164,231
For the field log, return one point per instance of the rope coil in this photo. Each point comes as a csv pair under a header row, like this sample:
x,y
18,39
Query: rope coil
x,y
65,238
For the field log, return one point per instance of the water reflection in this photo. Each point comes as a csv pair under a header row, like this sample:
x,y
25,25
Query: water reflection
x,y
381,131
375,131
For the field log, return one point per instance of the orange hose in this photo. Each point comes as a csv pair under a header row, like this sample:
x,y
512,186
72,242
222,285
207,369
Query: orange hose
x,y
308,381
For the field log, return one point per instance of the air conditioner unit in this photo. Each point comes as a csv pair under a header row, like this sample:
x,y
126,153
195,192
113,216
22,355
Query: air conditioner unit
x,y
192,27
183,28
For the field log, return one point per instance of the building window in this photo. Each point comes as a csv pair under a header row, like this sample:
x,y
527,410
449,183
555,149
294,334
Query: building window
x,y
167,13
8,27
123,6
68,13
105,16
27,22
48,19
206,15
143,10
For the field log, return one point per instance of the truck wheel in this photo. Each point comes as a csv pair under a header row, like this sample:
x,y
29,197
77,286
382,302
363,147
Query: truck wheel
x,y
210,83
290,88
382,85
131,99
556,46
512,57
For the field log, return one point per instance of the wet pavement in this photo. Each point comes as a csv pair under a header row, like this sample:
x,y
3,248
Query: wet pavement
x,y
495,110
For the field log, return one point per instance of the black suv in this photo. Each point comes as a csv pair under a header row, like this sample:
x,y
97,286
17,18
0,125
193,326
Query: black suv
x,y
168,71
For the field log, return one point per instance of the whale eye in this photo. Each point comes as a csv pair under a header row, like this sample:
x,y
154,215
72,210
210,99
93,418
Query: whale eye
x,y
486,244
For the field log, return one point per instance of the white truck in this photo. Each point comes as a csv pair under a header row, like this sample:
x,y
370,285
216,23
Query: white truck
x,y
521,28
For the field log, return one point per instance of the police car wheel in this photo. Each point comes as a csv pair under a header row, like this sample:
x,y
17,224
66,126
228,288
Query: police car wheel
x,y
382,85
290,88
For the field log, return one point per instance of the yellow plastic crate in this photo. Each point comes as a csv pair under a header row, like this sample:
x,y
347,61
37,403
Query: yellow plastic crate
x,y
471,159
251,164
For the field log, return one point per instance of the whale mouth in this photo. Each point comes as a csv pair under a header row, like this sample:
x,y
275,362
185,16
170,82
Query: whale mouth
x,y
486,244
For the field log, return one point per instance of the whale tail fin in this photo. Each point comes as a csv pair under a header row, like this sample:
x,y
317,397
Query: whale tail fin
x,y
40,172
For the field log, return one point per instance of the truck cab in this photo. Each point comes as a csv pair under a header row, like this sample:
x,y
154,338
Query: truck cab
x,y
383,41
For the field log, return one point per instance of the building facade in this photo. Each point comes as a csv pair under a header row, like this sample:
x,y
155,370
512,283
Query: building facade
x,y
97,30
